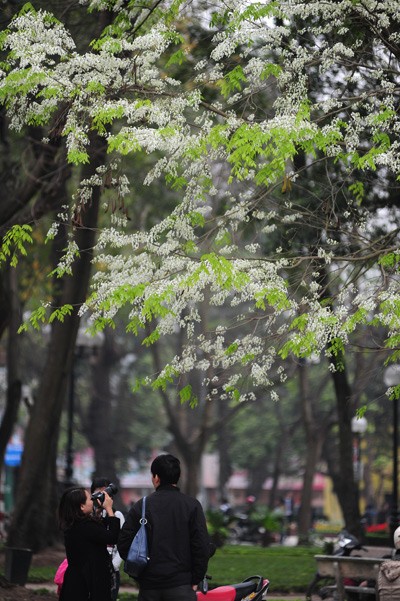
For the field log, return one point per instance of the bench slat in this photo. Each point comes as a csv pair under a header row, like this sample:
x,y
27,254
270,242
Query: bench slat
x,y
349,567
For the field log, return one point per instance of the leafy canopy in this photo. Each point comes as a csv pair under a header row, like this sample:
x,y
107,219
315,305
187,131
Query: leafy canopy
x,y
278,141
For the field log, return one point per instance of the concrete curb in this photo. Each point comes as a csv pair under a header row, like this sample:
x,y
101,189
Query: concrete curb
x,y
50,586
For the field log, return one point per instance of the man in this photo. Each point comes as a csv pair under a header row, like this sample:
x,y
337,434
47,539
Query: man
x,y
99,485
179,546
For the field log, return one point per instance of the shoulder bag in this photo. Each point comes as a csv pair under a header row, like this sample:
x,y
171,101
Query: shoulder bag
x,y
138,552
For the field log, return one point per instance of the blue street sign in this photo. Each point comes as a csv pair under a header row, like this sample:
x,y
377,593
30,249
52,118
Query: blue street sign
x,y
13,455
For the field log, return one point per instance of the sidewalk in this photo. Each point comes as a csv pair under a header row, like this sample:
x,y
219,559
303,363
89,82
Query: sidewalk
x,y
50,586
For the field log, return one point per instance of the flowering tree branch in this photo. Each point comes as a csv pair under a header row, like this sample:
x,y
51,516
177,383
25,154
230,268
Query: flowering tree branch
x,y
289,125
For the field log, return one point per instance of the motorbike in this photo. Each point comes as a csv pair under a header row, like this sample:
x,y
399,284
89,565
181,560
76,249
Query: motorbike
x,y
322,587
253,588
243,529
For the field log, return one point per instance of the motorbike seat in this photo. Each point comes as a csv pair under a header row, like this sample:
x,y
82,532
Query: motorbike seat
x,y
243,589
221,593
235,592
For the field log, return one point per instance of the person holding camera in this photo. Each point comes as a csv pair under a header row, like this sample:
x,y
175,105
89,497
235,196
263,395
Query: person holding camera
x,y
178,541
89,575
98,486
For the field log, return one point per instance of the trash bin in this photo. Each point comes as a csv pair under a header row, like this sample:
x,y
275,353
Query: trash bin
x,y
17,564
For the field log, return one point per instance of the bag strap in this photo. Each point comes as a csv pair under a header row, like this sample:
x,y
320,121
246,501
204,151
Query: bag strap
x,y
143,518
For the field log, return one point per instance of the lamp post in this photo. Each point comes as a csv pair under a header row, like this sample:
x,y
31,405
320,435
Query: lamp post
x,y
85,344
391,377
358,427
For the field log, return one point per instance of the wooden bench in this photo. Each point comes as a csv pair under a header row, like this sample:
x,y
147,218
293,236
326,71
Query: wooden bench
x,y
369,551
360,568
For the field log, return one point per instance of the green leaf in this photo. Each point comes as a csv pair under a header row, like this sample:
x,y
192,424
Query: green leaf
x,y
186,396
61,313
357,189
390,260
232,348
232,81
177,58
165,378
107,115
78,157
36,319
14,242
124,143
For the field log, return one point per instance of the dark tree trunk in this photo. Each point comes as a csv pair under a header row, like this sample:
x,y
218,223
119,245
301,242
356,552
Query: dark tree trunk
x,y
225,464
286,431
5,308
13,398
315,428
313,450
344,482
191,470
277,470
100,419
33,524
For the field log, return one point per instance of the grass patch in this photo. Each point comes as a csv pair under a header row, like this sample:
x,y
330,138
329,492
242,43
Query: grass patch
x,y
42,574
289,569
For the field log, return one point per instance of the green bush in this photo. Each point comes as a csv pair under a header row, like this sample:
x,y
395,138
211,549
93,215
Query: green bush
x,y
217,524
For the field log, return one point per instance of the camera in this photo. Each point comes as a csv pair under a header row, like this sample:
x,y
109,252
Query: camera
x,y
98,497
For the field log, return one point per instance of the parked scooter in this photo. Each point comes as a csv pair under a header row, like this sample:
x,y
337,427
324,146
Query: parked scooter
x,y
254,588
320,585
243,529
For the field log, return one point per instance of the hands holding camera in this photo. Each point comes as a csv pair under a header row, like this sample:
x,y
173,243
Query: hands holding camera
x,y
107,504
103,499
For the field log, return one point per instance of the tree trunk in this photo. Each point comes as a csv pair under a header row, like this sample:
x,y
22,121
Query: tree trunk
x,y
315,429
225,464
13,354
5,308
345,485
286,430
99,422
257,474
343,478
277,470
191,470
33,524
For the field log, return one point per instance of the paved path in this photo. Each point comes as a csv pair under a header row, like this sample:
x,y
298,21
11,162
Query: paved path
x,y
50,586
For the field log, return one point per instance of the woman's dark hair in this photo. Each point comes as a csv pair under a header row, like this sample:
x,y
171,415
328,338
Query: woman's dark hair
x,y
69,507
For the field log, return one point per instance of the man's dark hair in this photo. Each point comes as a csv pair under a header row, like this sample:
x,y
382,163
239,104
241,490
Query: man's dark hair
x,y
167,468
99,483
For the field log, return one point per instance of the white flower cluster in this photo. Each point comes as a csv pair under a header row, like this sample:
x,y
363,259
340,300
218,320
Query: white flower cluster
x,y
226,243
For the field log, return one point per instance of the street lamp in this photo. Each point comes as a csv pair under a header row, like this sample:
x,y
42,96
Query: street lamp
x,y
358,427
391,377
85,345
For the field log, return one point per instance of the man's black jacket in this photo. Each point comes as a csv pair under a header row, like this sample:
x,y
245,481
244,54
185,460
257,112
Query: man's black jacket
x,y
179,546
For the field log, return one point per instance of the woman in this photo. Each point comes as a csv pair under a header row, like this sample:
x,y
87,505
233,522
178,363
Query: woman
x,y
89,574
